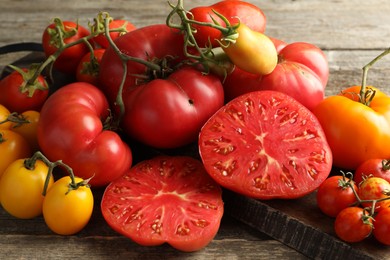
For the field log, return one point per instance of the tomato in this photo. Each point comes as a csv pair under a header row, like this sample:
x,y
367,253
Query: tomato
x,y
101,39
334,195
265,145
4,114
70,32
346,120
29,129
67,210
353,224
19,95
233,11
373,167
165,200
302,73
70,129
12,147
374,188
21,188
252,51
88,68
166,111
382,226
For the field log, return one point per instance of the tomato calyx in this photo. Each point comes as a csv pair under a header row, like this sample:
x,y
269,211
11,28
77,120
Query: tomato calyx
x,y
17,119
385,164
30,79
29,164
98,27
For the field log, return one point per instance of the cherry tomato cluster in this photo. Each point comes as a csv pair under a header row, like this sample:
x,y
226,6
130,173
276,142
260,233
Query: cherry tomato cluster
x,y
359,208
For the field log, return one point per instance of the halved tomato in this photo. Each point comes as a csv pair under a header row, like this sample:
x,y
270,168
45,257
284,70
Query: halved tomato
x,y
166,199
265,145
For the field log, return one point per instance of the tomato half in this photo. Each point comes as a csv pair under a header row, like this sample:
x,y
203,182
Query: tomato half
x,y
165,200
233,11
70,129
265,145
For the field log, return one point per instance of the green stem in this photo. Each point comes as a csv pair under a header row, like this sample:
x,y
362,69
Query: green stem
x,y
16,118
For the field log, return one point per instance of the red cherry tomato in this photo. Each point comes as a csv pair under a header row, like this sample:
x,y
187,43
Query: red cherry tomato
x,y
373,167
374,188
101,39
382,226
88,68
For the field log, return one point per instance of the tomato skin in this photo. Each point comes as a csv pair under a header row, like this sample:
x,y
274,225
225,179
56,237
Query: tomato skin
x,y
77,136
332,198
374,137
12,147
67,213
101,39
152,115
302,72
15,94
373,188
238,147
372,167
252,51
21,189
233,11
70,57
382,226
168,200
349,225
88,70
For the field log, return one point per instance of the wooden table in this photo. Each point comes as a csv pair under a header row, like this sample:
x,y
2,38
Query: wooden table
x,y
350,32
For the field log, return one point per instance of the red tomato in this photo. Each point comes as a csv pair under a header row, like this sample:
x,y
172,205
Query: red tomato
x,y
166,111
265,145
69,57
233,11
70,129
342,117
373,167
101,39
382,226
374,188
19,96
165,200
353,224
88,68
302,73
334,195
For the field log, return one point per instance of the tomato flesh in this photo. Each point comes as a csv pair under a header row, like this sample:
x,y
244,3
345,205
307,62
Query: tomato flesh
x,y
165,200
265,145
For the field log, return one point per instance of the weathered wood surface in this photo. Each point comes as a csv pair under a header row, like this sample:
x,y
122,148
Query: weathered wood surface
x,y
350,32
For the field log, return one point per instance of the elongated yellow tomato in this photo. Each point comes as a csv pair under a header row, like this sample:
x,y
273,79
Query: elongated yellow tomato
x,y
21,189
66,210
355,132
252,51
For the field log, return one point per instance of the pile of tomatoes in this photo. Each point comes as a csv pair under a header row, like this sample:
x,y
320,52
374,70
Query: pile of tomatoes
x,y
252,105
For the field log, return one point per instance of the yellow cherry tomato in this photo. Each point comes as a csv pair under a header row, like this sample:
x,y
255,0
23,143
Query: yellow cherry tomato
x,y
67,210
29,129
21,188
252,51
12,147
4,113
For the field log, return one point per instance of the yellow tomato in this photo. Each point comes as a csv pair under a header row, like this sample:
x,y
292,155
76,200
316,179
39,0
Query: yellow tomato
x,y
29,129
252,51
4,113
66,210
21,189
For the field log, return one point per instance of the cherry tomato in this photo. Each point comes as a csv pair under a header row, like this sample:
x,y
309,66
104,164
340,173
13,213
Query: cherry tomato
x,y
374,188
233,11
101,39
353,224
252,51
265,145
21,188
29,129
71,129
88,68
70,32
165,200
12,147
373,167
342,131
19,96
334,195
163,109
67,210
382,226
4,114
